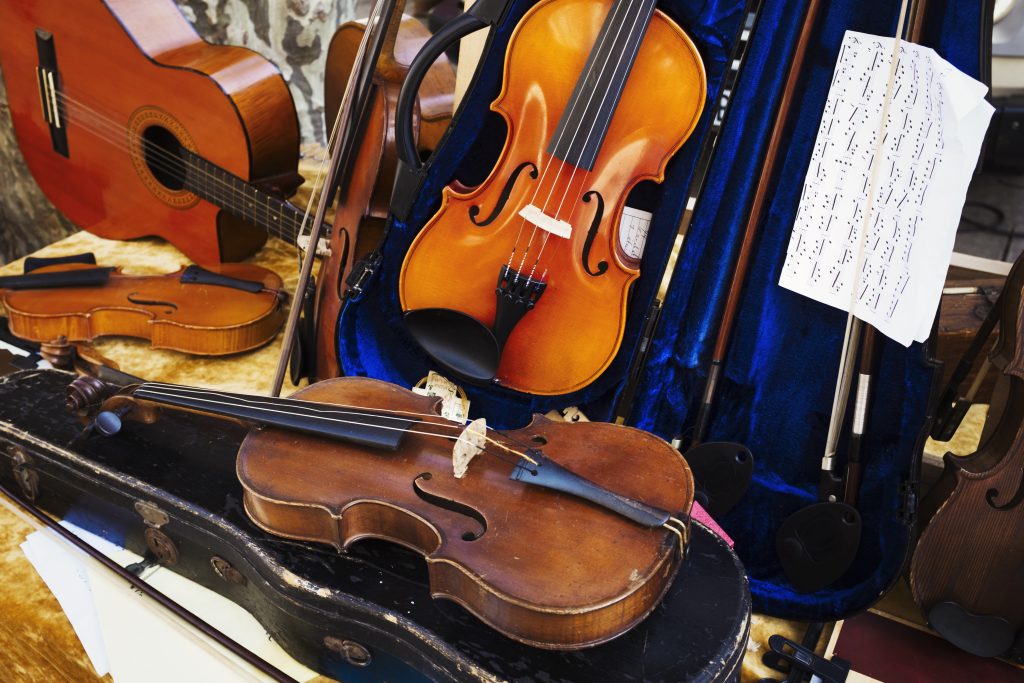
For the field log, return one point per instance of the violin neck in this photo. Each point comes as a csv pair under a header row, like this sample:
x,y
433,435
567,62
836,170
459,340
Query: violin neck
x,y
341,423
242,199
584,123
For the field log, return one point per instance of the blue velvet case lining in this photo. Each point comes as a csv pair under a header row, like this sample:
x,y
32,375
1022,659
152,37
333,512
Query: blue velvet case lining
x,y
776,391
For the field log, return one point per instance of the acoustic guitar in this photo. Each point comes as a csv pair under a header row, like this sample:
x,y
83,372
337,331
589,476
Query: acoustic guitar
x,y
132,125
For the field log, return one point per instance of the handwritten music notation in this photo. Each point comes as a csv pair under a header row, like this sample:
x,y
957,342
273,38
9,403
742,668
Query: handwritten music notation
x,y
931,137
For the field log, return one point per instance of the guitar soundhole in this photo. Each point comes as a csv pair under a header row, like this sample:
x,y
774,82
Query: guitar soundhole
x,y
156,144
163,156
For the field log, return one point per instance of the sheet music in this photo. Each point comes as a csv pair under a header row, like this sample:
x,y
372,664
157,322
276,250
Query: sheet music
x,y
932,136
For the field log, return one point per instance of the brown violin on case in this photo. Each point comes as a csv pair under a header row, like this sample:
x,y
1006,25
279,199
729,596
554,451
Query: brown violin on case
x,y
368,170
967,568
560,535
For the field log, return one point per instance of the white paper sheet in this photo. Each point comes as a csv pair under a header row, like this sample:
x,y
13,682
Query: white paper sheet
x,y
133,638
67,578
930,144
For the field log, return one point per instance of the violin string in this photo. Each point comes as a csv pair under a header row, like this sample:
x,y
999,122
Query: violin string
x,y
273,217
164,160
561,136
174,165
590,131
114,127
625,5
145,392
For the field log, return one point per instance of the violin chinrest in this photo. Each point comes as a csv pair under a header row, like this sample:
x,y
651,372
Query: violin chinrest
x,y
456,341
722,471
983,635
817,544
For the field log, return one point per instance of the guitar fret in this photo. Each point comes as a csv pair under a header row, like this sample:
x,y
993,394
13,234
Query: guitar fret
x,y
243,200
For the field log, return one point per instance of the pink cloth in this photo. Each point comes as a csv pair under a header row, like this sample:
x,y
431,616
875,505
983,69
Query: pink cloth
x,y
701,515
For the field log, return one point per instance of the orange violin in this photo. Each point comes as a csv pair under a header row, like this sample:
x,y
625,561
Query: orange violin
x,y
229,308
524,279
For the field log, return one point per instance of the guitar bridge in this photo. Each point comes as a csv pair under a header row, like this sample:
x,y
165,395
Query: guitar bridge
x,y
50,95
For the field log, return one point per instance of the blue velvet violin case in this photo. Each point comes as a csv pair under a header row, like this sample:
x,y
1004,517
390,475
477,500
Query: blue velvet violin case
x,y
776,388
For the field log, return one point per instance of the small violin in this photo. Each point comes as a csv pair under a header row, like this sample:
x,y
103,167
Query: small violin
x,y
560,535
229,308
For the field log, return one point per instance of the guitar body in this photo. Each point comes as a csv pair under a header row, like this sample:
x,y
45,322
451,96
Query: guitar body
x,y
132,68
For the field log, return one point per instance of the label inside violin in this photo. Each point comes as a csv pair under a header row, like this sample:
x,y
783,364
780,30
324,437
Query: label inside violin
x,y
633,229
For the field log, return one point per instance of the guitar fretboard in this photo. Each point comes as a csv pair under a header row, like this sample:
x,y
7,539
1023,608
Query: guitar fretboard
x,y
242,199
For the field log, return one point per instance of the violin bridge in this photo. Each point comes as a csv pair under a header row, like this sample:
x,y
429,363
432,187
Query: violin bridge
x,y
546,222
470,443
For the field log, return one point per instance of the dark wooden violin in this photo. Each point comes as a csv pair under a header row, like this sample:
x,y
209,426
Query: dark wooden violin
x,y
368,172
967,569
560,535
525,278
228,308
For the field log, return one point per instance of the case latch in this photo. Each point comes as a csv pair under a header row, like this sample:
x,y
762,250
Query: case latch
x,y
27,478
361,273
908,503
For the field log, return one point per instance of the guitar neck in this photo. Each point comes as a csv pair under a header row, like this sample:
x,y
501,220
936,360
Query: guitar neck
x,y
242,199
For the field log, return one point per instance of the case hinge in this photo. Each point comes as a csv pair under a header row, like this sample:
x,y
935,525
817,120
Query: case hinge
x,y
908,503
361,273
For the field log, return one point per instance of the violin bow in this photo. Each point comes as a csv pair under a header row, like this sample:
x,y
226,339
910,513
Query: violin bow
x,y
953,408
624,404
343,136
754,220
723,470
817,544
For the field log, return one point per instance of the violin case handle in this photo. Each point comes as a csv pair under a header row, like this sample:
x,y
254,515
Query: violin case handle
x,y
411,169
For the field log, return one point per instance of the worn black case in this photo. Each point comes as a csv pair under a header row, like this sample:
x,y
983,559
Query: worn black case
x,y
169,491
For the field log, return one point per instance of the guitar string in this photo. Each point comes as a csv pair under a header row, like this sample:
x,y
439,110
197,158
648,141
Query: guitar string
x,y
547,165
590,132
145,392
114,127
430,418
173,164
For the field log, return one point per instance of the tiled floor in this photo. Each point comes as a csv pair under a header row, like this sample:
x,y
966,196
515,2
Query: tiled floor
x,y
995,201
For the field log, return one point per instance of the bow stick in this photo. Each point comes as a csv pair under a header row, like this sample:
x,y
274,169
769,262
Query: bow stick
x,y
817,544
343,135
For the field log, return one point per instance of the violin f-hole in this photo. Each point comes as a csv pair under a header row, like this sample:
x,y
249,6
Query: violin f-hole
x,y
452,506
474,210
136,299
602,266
1018,497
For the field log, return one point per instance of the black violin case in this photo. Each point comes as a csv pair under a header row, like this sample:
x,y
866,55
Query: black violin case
x,y
779,377
168,491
